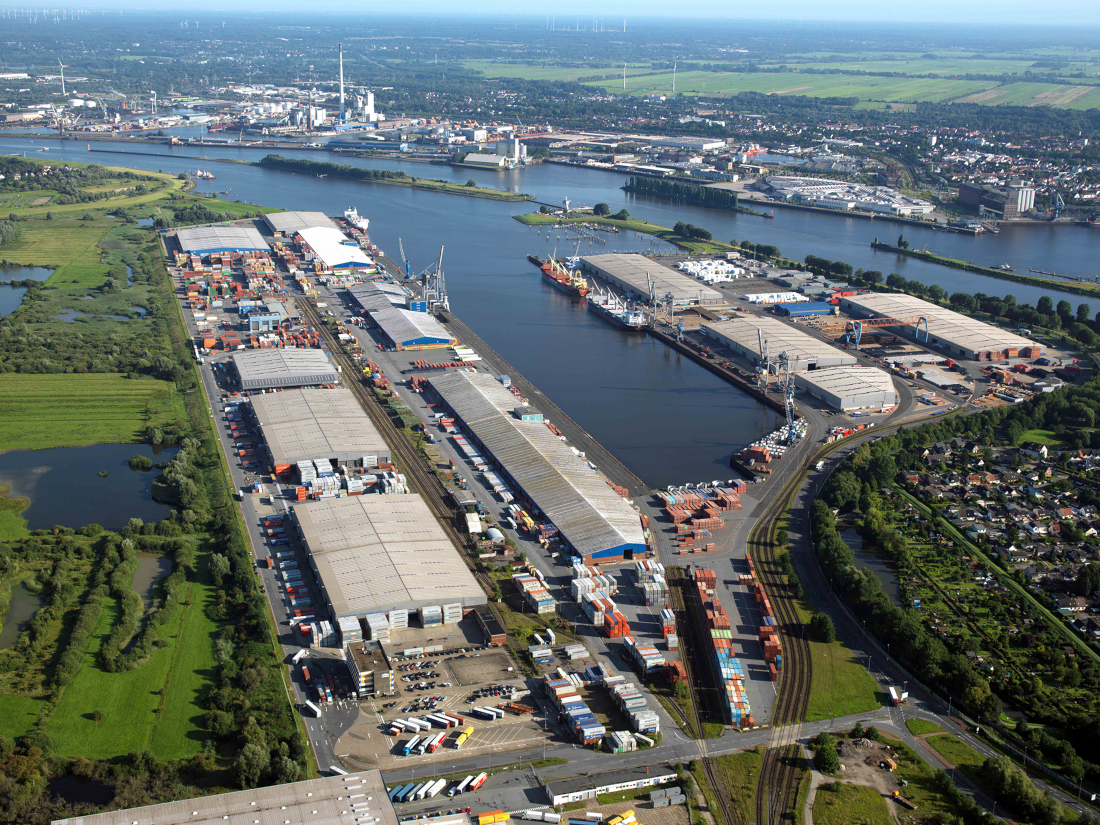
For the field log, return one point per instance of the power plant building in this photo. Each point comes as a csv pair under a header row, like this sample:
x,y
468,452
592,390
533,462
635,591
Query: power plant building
x,y
640,275
324,425
268,369
744,333
949,332
849,388
383,553
593,519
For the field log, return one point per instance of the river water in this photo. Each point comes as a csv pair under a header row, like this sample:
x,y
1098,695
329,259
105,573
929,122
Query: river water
x,y
665,417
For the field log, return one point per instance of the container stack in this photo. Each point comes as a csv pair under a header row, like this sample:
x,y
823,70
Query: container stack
x,y
672,642
620,742
651,579
392,483
431,615
541,601
378,626
631,702
668,622
644,654
582,721
575,652
323,635
589,579
596,605
749,579
452,613
492,816
614,625
399,619
350,631
542,654
727,669
306,472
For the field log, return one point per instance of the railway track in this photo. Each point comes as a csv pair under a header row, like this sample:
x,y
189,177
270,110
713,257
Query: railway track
x,y
408,458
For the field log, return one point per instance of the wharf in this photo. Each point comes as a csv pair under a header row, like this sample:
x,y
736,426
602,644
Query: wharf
x,y
595,452
727,375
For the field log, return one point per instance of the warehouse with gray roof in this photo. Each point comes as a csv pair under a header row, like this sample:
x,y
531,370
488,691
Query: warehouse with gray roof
x,y
849,388
266,369
593,520
636,273
205,240
380,553
291,223
412,330
744,333
950,332
373,296
353,799
322,424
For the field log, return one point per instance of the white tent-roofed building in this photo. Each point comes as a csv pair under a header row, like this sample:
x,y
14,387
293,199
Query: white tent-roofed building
x,y
412,330
334,248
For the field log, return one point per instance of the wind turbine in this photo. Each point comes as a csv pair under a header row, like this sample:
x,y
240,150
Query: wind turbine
x,y
62,65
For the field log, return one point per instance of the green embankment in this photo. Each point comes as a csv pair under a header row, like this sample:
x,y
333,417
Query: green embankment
x,y
632,225
842,803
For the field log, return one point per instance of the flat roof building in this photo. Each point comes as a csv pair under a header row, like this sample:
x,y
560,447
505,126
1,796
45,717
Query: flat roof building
x,y
291,223
635,273
336,800
335,248
326,425
369,668
849,388
579,788
265,369
204,240
743,334
949,332
412,330
804,309
373,295
379,553
594,520
838,194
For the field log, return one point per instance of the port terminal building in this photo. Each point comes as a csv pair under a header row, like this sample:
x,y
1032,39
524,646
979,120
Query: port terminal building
x,y
207,240
951,333
849,388
373,296
744,333
268,369
640,275
289,224
385,554
595,523
359,797
412,330
334,248
317,424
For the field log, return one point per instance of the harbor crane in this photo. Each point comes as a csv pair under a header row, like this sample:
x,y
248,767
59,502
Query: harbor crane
x,y
765,359
404,260
434,290
1057,207
786,383
852,331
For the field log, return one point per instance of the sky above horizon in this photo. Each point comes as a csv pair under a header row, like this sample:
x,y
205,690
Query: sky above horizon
x,y
1076,13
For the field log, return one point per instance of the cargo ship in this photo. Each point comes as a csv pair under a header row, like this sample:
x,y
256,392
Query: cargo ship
x,y
351,215
568,281
610,308
202,174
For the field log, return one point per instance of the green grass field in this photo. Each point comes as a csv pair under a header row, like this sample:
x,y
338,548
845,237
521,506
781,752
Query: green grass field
x,y
154,706
926,89
919,727
916,65
959,754
493,68
69,410
12,525
846,804
1037,94
19,714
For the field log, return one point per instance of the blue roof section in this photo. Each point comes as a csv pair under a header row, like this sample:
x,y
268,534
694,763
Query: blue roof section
x,y
805,308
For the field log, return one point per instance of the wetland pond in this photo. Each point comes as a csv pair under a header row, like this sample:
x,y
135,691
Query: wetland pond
x,y
24,604
884,571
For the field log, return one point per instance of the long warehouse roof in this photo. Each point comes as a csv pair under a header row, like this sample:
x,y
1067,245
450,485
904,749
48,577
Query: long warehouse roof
x,y
299,425
204,239
334,247
406,327
943,324
290,223
847,381
636,272
590,515
779,336
373,296
376,553
284,367
334,800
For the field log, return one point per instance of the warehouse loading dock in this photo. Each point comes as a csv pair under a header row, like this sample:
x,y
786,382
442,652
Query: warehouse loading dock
x,y
849,388
744,333
328,425
949,332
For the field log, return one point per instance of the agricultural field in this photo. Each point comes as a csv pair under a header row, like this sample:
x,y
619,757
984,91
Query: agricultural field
x,y
842,803
43,411
19,200
918,65
919,89
1038,94
492,68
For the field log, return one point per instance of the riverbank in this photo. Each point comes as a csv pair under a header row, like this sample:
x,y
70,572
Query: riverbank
x,y
632,225
1087,289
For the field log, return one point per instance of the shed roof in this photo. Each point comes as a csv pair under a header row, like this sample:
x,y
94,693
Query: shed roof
x,y
334,247
376,553
406,327
202,240
781,337
374,295
284,367
290,223
636,272
299,425
590,515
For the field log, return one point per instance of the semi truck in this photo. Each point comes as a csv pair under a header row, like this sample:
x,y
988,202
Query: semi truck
x,y
461,787
410,745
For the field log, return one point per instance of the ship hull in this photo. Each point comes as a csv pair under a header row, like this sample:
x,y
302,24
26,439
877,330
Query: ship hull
x,y
568,289
611,318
